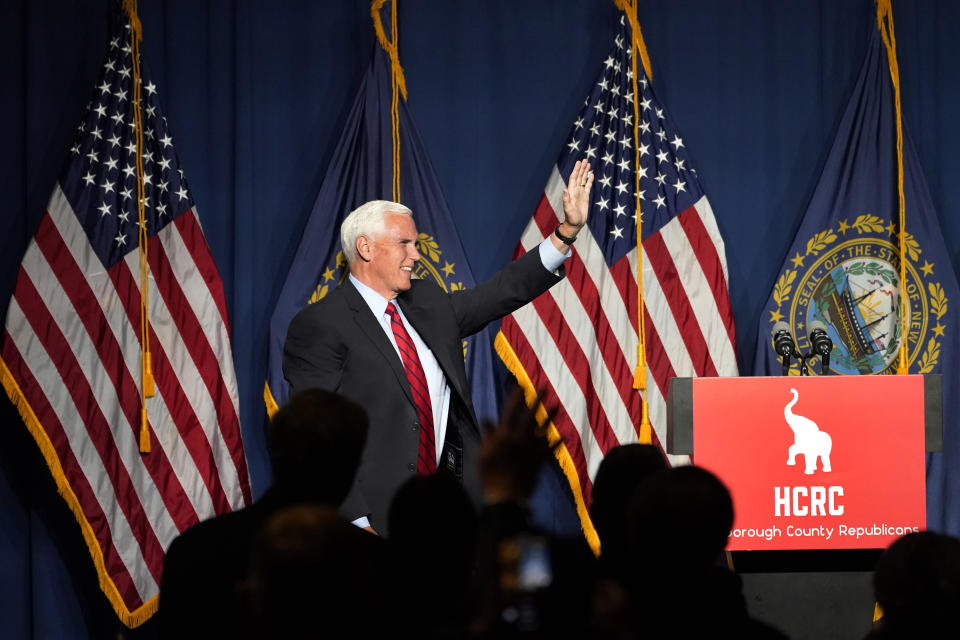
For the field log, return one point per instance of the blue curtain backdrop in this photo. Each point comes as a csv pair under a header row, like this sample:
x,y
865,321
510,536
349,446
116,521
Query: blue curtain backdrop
x,y
256,93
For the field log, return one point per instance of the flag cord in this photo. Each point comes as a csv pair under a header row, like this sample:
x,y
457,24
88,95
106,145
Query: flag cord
x,y
397,80
885,24
640,373
147,389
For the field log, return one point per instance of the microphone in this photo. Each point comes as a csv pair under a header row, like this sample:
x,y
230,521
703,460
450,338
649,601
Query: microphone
x,y
822,344
783,345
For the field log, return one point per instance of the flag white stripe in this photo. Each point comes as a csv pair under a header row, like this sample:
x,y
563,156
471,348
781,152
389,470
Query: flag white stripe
x,y
604,386
168,437
699,294
710,224
203,305
661,315
38,361
611,300
566,388
191,382
123,434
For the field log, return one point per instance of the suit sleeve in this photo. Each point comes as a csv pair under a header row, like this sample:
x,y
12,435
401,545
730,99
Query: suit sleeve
x,y
509,289
313,358
313,354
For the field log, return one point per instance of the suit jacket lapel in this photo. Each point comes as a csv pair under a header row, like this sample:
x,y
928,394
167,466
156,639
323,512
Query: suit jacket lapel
x,y
422,321
368,323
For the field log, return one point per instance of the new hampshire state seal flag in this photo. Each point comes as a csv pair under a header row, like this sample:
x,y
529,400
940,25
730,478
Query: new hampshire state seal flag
x,y
844,270
361,170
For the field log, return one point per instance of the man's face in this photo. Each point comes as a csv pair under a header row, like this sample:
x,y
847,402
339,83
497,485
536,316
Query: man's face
x,y
393,256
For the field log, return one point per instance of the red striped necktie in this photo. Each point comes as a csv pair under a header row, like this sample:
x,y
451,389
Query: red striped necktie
x,y
426,454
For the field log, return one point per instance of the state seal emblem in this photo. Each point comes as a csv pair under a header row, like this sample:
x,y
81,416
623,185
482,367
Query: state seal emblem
x,y
848,278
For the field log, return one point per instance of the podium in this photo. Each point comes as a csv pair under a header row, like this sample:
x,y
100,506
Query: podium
x,y
806,535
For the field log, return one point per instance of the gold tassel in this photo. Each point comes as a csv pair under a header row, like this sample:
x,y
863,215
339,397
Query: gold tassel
x,y
144,432
149,389
646,431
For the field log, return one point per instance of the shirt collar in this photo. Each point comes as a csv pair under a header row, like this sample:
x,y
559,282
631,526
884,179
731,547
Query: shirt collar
x,y
376,302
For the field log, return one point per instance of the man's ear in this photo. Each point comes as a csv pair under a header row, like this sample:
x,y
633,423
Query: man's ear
x,y
364,247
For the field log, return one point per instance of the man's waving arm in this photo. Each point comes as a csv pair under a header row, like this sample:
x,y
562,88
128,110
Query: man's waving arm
x,y
533,273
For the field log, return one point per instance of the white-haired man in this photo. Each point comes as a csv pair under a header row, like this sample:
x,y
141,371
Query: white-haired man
x,y
393,345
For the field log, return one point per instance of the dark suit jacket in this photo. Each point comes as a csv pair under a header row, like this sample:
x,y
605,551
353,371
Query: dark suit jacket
x,y
337,344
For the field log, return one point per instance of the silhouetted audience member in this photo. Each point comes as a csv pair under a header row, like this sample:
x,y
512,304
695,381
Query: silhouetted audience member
x,y
313,574
917,585
433,527
315,442
530,584
679,522
622,470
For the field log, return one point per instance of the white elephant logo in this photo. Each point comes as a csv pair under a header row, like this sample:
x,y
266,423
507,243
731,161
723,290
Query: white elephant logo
x,y
808,439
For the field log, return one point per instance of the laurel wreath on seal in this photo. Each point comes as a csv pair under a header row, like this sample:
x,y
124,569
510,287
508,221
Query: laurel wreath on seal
x,y
783,287
938,305
872,269
820,241
869,223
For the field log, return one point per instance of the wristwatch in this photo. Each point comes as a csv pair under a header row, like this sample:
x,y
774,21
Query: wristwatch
x,y
564,239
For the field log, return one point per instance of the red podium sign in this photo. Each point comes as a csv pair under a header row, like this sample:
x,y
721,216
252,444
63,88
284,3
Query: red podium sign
x,y
815,462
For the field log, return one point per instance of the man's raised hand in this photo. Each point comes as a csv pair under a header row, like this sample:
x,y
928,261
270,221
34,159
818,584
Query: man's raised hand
x,y
576,197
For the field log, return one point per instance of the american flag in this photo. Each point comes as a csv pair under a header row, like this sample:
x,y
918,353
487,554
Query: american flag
x,y
71,352
577,343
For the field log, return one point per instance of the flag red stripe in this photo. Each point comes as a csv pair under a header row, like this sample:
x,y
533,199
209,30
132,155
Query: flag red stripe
x,y
189,227
626,281
658,366
206,361
96,425
613,355
168,382
658,362
190,332
576,362
676,298
554,406
586,290
78,481
706,253
77,288
545,217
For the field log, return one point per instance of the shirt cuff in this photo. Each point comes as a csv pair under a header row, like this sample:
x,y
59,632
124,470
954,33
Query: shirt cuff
x,y
362,521
550,257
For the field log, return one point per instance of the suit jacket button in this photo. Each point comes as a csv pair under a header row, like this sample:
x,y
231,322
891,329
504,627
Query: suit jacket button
x,y
410,467
415,426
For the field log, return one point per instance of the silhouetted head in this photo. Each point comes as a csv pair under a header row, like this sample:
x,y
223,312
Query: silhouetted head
x,y
620,473
917,582
426,510
312,572
432,520
681,517
315,444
